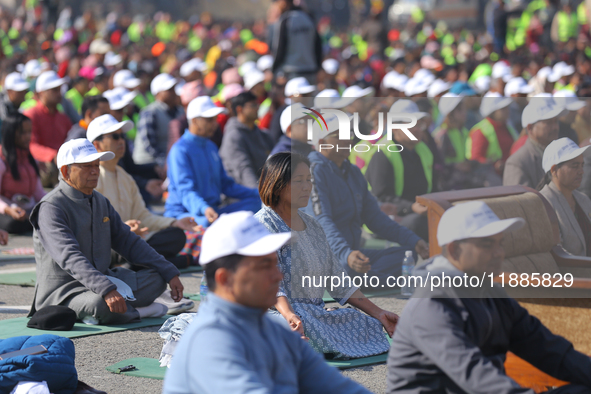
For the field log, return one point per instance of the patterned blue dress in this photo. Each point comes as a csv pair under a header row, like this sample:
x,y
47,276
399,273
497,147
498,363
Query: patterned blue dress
x,y
343,333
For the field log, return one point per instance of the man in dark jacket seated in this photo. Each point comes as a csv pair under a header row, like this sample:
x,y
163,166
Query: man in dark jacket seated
x,y
454,339
75,228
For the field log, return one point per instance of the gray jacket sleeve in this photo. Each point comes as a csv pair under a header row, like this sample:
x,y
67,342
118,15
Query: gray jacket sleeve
x,y
133,248
438,334
514,175
237,162
60,242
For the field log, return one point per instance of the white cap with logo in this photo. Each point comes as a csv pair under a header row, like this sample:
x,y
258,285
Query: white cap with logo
x,y
437,87
162,83
14,81
252,78
106,124
492,102
119,98
559,151
203,107
239,233
48,80
290,114
449,102
539,108
78,151
472,219
517,85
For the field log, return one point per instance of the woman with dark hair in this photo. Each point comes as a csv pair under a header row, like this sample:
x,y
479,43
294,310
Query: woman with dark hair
x,y
20,185
284,188
563,162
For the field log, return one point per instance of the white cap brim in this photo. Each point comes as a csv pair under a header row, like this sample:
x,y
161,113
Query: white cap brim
x,y
266,245
576,105
102,156
406,117
574,154
19,87
500,105
210,113
548,115
53,84
132,83
306,89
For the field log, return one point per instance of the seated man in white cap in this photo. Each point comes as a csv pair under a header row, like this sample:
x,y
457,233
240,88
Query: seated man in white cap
x,y
165,235
455,339
75,228
233,346
570,103
196,173
490,139
13,95
293,125
539,119
151,140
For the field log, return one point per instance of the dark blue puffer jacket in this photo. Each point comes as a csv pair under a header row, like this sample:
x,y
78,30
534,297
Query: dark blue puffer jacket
x,y
56,367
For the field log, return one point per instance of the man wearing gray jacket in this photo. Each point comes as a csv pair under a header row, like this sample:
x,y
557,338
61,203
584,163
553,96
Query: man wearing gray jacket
x,y
455,339
75,228
539,118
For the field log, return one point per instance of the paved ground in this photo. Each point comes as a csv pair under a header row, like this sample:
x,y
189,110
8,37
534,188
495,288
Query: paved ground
x,y
94,353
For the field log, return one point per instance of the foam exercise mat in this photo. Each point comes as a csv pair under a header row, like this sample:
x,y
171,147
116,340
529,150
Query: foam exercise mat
x,y
27,278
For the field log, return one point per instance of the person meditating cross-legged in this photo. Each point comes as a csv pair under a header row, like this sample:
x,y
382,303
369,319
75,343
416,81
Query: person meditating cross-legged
x,y
74,229
285,187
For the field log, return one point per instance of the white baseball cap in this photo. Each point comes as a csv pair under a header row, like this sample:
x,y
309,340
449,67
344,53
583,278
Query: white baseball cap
x,y
106,124
416,86
539,108
449,102
399,82
14,81
492,102
330,98
32,69
355,91
517,85
48,80
424,74
253,78
501,70
389,80
162,83
406,107
437,87
112,59
239,233
321,132
559,151
482,83
568,100
330,66
99,46
119,98
560,69
194,64
265,63
543,73
125,79
246,67
80,150
290,114
473,219
298,86
203,107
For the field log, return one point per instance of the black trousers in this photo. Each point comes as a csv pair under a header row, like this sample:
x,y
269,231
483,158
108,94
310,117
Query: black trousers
x,y
13,226
167,242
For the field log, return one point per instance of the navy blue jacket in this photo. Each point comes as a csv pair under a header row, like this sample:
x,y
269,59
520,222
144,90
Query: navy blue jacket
x,y
342,203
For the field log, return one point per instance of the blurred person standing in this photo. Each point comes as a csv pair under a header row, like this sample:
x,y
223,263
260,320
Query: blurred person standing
x,y
13,95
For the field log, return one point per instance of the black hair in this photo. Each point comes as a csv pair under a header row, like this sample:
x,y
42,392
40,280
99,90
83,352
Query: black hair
x,y
276,175
91,103
10,127
77,80
548,177
229,262
241,100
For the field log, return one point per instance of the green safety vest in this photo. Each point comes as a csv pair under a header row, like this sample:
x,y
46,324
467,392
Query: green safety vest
x,y
582,14
493,152
142,101
524,21
131,133
76,98
458,141
567,26
395,159
362,159
93,92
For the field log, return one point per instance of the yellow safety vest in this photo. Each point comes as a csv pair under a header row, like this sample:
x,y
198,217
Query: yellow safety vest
x,y
426,157
493,152
458,141
567,26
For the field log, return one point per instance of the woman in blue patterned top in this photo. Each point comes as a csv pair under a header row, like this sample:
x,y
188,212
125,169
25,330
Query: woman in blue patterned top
x,y
343,333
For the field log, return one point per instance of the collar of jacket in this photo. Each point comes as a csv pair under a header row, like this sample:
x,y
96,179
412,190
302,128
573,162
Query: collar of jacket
x,y
73,194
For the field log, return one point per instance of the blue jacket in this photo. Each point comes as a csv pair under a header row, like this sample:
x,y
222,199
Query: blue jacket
x,y
342,203
197,178
56,367
231,348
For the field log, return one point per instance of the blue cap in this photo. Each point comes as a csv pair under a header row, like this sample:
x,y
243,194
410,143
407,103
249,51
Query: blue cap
x,y
463,89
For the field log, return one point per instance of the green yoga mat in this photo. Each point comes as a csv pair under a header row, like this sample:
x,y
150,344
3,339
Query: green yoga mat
x,y
17,327
194,297
19,278
29,278
150,368
380,293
